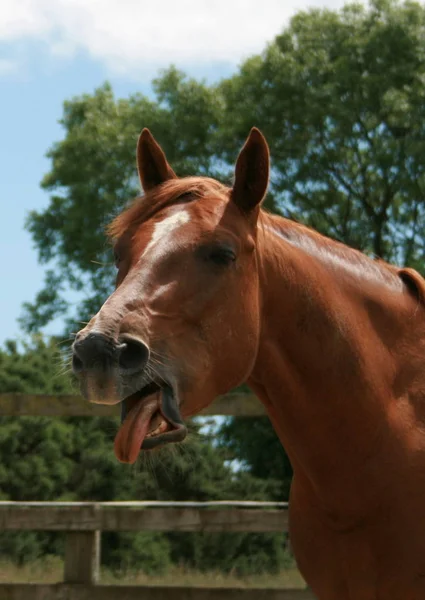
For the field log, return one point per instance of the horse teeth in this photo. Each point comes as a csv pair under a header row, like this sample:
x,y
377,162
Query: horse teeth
x,y
156,430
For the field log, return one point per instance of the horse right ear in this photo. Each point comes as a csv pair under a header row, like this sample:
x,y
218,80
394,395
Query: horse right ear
x,y
152,164
414,282
251,172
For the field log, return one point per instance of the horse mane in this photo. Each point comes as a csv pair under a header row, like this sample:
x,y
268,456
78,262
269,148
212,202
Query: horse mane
x,y
317,244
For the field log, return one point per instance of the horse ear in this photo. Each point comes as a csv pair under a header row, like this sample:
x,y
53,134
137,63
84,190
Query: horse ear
x,y
251,172
414,282
151,162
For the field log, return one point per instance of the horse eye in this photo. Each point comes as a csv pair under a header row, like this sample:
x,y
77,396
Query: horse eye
x,y
185,195
221,255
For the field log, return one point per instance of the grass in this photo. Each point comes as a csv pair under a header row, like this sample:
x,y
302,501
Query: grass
x,y
50,570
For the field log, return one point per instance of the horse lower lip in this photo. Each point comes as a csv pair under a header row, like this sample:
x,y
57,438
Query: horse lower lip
x,y
168,437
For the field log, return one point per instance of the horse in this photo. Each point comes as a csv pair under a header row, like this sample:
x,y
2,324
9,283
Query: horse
x,y
213,291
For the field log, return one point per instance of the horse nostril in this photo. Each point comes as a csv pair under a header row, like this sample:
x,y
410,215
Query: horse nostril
x,y
133,356
94,351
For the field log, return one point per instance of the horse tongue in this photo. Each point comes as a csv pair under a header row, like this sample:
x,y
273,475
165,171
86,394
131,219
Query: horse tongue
x,y
132,432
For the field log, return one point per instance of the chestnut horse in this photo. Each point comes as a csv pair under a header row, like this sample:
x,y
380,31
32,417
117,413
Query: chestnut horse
x,y
211,292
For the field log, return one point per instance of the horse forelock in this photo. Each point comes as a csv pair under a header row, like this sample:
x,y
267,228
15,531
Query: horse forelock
x,y
169,193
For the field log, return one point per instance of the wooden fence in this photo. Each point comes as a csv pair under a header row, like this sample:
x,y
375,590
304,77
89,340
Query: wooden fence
x,y
83,522
19,405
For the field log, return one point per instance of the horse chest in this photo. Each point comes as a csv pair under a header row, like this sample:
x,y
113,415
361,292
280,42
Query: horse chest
x,y
383,559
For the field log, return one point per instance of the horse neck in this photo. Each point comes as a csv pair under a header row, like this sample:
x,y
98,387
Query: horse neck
x,y
325,369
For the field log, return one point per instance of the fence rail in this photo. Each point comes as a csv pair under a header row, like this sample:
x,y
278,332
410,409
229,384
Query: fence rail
x,y
19,405
121,592
143,516
83,522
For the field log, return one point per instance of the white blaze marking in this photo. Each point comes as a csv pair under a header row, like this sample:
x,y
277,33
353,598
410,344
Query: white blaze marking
x,y
163,230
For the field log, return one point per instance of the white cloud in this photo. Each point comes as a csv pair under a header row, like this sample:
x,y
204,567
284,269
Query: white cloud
x,y
129,35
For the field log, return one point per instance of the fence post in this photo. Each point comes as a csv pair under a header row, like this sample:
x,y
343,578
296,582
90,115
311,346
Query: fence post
x,y
82,557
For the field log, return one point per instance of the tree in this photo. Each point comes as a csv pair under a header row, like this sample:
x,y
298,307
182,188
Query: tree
x,y
254,444
30,446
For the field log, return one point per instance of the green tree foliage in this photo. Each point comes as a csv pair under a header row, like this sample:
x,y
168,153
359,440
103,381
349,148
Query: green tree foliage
x,y
37,366
34,451
254,444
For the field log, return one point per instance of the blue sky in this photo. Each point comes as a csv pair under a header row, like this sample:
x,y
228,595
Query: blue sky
x,y
30,107
51,50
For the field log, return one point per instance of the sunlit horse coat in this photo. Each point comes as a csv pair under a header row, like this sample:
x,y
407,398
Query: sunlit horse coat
x,y
212,292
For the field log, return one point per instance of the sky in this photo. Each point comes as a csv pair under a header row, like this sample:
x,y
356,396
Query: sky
x,y
53,50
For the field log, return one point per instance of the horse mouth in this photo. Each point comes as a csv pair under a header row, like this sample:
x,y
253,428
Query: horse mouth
x,y
149,418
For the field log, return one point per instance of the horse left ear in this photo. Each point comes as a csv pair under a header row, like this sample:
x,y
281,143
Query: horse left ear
x,y
251,172
152,163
